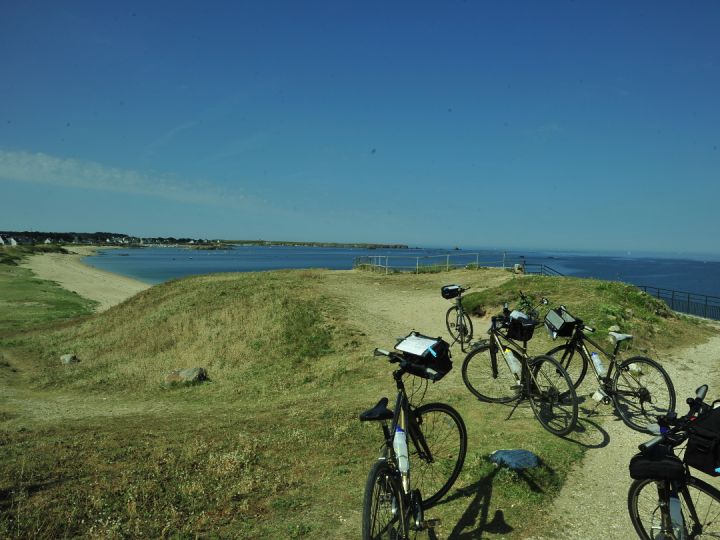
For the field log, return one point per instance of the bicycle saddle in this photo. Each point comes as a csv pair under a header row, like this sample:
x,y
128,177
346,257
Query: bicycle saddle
x,y
619,337
378,412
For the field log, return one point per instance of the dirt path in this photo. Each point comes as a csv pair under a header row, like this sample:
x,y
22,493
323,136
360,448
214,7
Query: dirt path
x,y
592,504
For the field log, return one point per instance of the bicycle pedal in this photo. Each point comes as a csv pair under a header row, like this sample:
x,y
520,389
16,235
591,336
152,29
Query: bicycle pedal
x,y
429,524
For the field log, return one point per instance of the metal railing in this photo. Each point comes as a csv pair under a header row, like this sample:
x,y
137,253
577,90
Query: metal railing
x,y
443,263
701,305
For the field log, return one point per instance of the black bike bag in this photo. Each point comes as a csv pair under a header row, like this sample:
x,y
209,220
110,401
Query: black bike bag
x,y
658,463
520,326
429,357
703,447
450,291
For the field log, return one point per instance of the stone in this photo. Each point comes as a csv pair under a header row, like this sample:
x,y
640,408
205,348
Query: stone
x,y
69,359
517,460
186,376
614,328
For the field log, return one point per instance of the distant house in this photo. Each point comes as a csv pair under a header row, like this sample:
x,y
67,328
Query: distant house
x,y
47,241
2,242
13,242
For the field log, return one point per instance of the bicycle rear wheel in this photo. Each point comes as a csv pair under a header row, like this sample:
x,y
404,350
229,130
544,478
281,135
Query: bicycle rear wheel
x,y
437,452
642,391
551,395
487,375
459,325
383,511
572,361
700,504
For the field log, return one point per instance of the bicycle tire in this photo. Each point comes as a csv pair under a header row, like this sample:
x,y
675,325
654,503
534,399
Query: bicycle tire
x,y
552,395
445,435
633,389
644,508
572,361
488,377
383,509
459,326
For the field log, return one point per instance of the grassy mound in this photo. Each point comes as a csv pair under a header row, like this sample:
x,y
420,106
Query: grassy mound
x,y
600,304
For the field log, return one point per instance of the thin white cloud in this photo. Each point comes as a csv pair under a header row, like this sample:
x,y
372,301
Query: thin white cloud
x,y
168,136
41,168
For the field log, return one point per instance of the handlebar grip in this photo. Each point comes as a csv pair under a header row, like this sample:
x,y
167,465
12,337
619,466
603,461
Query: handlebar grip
x,y
589,329
381,352
649,444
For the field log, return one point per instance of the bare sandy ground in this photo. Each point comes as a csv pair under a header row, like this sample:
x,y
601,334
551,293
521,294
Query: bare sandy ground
x,y
106,288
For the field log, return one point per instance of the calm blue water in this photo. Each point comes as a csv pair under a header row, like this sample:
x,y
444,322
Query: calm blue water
x,y
155,265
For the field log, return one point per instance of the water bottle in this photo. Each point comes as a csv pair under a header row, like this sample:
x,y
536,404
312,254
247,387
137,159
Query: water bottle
x,y
513,362
597,362
676,516
401,450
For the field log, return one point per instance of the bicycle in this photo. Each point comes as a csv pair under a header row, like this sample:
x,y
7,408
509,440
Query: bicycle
x,y
664,500
457,321
501,377
432,438
639,387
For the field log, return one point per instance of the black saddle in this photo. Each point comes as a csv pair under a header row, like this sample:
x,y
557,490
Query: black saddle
x,y
378,412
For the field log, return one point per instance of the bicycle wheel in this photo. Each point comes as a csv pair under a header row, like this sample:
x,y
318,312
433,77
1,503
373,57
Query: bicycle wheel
x,y
700,505
572,361
383,512
437,452
551,395
459,325
487,375
642,391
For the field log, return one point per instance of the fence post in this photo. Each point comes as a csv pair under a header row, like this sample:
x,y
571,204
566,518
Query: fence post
x,y
503,260
417,265
688,309
672,300
477,261
706,301
447,263
387,263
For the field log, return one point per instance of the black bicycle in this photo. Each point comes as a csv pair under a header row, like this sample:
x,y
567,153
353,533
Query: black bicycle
x,y
500,370
639,387
457,321
665,501
423,450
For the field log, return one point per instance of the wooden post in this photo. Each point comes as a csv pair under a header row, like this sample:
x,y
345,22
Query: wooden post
x,y
387,263
477,261
417,265
447,263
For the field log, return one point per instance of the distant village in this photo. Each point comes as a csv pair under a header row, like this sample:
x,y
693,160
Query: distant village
x,y
20,238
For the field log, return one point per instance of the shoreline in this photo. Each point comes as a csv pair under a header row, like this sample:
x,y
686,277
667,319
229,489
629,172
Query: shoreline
x,y
70,272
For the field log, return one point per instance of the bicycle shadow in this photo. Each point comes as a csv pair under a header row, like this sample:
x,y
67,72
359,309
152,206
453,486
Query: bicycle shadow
x,y
475,520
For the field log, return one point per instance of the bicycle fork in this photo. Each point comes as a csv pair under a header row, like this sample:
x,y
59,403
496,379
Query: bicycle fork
x,y
672,522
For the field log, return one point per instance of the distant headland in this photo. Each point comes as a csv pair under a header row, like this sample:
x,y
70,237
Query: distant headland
x,y
120,239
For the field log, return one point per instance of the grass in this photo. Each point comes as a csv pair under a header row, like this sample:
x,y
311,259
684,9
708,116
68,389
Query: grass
x,y
271,446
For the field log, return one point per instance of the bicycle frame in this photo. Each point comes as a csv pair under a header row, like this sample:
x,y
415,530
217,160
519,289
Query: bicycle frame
x,y
498,339
577,341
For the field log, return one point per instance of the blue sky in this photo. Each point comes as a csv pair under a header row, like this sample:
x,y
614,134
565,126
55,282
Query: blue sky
x,y
547,125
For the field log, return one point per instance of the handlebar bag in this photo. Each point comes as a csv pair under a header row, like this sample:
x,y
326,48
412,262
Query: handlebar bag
x,y
429,357
658,463
520,326
450,291
703,447
560,322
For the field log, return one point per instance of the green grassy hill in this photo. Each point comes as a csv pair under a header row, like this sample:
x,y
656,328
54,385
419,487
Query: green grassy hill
x,y
271,446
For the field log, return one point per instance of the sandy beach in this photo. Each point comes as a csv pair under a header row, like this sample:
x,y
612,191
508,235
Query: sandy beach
x,y
106,288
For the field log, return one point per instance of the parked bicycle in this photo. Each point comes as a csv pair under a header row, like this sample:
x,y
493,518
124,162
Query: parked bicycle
x,y
457,321
423,450
665,501
500,370
639,387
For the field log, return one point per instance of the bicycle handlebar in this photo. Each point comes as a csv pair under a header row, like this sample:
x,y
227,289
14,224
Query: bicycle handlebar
x,y
406,366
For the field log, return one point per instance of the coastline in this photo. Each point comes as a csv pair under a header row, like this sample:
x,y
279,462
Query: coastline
x,y
106,288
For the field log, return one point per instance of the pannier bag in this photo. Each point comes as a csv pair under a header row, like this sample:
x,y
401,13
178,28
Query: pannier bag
x,y
431,355
560,322
658,463
520,327
703,447
450,291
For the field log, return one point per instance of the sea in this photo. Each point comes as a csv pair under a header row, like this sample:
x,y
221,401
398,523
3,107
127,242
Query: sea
x,y
688,273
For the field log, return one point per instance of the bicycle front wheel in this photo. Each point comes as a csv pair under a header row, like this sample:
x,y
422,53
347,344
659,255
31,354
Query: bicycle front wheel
x,y
700,504
551,395
572,361
437,451
487,375
459,325
383,512
642,391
